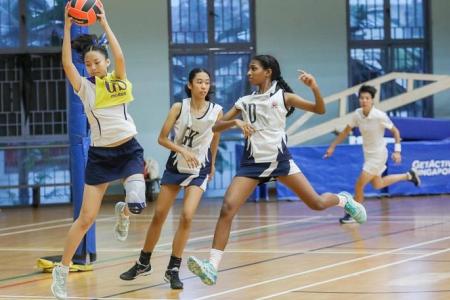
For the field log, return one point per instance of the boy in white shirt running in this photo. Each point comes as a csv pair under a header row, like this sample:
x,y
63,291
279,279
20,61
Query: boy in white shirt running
x,y
372,122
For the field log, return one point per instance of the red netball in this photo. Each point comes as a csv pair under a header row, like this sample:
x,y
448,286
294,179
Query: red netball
x,y
84,12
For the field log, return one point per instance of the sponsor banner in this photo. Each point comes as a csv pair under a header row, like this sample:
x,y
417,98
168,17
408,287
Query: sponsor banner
x,y
432,162
335,174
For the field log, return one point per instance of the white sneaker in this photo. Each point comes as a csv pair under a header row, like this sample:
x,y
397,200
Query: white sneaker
x,y
122,222
59,283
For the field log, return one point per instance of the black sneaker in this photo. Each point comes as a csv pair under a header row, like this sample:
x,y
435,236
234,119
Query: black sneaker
x,y
414,177
173,277
136,271
347,219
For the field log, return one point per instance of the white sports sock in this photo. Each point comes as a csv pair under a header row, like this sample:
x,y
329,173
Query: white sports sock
x,y
215,256
342,200
408,176
64,268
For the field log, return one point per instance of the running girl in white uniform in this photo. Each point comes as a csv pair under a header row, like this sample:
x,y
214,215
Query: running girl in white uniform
x,y
114,153
266,156
372,123
190,166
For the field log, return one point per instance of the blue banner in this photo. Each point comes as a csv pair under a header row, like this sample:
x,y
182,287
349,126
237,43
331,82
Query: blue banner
x,y
340,172
432,162
335,174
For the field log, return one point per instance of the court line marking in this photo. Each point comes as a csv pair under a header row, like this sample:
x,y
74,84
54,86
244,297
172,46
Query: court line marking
x,y
194,239
324,267
354,274
211,236
45,228
328,215
36,224
198,218
213,220
276,258
260,251
80,298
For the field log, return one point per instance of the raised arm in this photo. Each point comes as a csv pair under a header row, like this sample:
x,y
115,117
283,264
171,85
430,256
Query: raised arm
x,y
164,140
119,59
71,71
298,102
344,133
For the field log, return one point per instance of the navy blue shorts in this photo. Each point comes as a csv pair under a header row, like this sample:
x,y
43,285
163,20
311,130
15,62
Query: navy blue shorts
x,y
185,180
106,164
264,172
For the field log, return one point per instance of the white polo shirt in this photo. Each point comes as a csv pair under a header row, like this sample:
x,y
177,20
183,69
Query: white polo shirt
x,y
372,129
108,125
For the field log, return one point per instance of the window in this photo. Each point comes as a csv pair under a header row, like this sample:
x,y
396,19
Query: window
x,y
386,36
34,155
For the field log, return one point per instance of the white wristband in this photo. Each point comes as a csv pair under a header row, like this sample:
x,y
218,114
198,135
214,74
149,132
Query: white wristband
x,y
397,148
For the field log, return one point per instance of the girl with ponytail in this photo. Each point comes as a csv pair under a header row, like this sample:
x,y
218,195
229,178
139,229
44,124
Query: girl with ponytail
x,y
266,156
114,153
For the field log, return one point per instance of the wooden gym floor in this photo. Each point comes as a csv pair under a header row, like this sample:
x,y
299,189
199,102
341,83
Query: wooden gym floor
x,y
277,250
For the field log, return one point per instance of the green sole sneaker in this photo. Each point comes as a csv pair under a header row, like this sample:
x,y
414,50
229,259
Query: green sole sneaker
x,y
354,209
202,269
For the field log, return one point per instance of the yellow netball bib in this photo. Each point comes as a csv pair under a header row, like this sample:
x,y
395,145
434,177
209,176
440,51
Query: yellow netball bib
x,y
110,91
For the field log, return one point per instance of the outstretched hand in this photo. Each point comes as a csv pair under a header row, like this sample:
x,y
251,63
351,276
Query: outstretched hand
x,y
308,79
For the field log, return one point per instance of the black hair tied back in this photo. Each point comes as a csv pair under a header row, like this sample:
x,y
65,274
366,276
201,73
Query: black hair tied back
x,y
90,42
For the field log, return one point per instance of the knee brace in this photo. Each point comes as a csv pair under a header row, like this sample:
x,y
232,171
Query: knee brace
x,y
135,193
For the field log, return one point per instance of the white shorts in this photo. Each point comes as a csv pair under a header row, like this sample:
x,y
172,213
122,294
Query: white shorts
x,y
375,163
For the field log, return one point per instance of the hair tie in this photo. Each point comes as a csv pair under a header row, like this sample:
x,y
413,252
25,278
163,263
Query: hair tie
x,y
102,41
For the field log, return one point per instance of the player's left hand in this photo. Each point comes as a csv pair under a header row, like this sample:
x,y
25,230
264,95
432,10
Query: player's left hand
x,y
308,79
397,157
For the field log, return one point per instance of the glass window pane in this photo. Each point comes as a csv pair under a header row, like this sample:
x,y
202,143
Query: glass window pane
x,y
409,59
407,19
189,22
366,19
9,23
367,64
47,112
232,21
181,66
230,78
10,95
45,22
42,172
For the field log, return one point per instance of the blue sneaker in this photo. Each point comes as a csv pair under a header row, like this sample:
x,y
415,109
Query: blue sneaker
x,y
203,269
354,209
